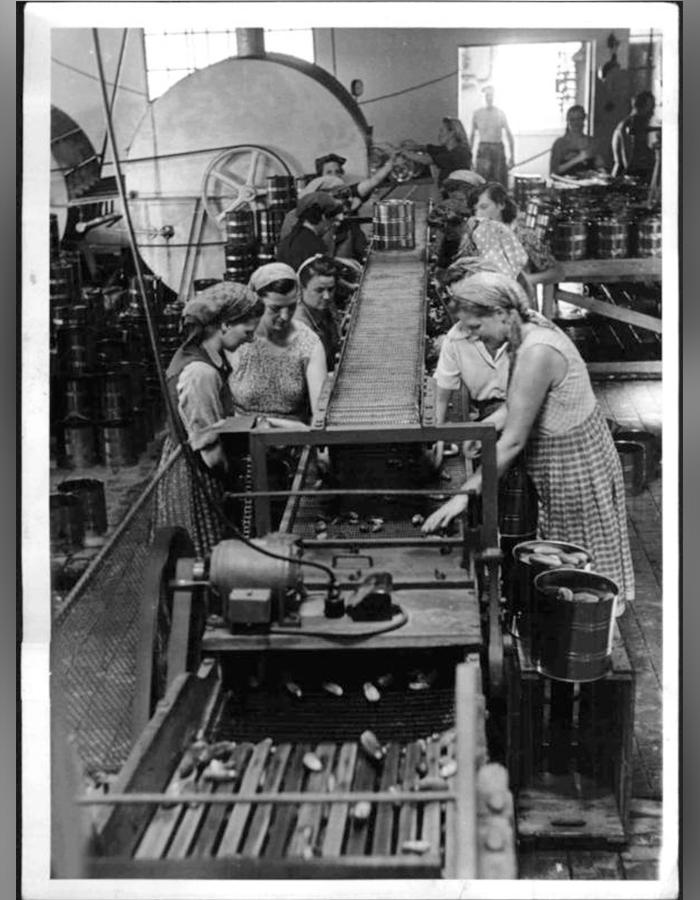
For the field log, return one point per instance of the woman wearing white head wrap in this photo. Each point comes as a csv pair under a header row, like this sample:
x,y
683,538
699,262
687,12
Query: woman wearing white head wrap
x,y
553,418
280,373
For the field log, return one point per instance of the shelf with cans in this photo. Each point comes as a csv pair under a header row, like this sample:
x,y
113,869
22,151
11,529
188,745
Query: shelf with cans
x,y
105,398
608,238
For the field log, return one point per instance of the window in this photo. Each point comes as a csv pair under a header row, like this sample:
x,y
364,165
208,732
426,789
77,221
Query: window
x,y
171,55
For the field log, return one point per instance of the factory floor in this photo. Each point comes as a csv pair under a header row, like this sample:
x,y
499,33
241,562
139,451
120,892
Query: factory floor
x,y
633,404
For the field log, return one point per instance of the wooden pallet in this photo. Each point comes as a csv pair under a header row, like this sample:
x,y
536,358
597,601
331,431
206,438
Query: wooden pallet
x,y
569,751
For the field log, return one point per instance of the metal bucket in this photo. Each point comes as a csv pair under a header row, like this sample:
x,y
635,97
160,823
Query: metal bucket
x,y
651,446
66,522
524,574
91,494
632,459
574,635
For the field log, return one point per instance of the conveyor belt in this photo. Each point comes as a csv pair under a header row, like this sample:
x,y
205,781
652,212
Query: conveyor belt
x,y
380,372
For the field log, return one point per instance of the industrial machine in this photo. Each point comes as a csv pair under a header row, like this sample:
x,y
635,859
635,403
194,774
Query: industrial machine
x,y
342,676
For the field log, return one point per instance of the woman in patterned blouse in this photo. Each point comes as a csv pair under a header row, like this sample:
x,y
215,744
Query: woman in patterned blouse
x,y
281,372
554,420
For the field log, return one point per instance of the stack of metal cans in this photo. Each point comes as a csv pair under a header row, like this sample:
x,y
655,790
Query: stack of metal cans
x,y
240,247
394,225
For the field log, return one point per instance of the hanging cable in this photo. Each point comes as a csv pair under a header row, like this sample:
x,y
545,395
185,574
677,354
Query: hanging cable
x,y
408,90
115,88
174,421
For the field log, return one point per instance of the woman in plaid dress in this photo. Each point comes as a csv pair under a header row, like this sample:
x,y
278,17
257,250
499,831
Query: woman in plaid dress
x,y
553,416
220,318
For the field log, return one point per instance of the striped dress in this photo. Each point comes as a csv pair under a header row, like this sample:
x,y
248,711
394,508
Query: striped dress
x,y
576,469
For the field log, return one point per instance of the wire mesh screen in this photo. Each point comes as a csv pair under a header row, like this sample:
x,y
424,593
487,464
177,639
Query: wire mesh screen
x,y
94,639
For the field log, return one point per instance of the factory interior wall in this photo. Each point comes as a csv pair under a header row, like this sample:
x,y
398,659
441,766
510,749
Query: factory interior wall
x,y
386,60
75,87
391,60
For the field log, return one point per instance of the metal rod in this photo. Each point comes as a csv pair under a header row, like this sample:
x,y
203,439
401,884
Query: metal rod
x,y
132,238
349,492
444,796
465,836
115,87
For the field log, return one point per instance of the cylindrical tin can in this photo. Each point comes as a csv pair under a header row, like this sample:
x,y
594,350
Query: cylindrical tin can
x,y
115,399
78,397
77,443
281,192
76,347
575,627
91,494
612,238
266,254
66,522
649,236
525,186
116,445
570,239
240,227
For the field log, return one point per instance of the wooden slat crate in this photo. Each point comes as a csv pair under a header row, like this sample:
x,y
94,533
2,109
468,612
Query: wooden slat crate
x,y
569,751
181,825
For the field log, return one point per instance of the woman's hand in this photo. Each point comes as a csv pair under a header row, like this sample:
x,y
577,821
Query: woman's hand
x,y
442,517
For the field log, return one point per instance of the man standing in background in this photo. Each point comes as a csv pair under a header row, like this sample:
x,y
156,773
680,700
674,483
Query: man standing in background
x,y
489,123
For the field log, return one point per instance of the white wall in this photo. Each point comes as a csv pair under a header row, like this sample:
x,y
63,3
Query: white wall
x,y
389,60
75,87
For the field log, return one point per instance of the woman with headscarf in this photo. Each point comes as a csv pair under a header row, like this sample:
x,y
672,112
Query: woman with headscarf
x,y
219,319
281,372
553,418
318,214
452,152
318,278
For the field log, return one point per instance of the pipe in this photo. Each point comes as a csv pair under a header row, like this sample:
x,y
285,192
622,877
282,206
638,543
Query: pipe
x,y
250,41
285,797
115,87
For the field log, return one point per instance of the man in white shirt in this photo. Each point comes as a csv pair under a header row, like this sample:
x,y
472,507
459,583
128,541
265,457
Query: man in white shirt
x,y
489,124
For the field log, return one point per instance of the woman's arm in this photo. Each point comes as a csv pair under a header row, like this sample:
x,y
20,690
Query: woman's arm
x,y
365,188
536,370
199,406
316,372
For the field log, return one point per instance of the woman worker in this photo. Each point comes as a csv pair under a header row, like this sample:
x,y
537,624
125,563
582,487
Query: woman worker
x,y
452,152
281,372
317,215
318,279
575,152
218,320
554,418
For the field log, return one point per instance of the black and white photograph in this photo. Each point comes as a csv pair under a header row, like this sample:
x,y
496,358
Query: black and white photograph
x,y
350,426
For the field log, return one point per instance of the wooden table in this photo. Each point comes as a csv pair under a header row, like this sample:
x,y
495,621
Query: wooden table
x,y
604,271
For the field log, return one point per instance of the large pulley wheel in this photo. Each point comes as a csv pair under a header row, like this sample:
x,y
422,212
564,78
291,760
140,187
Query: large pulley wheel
x,y
236,178
171,622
